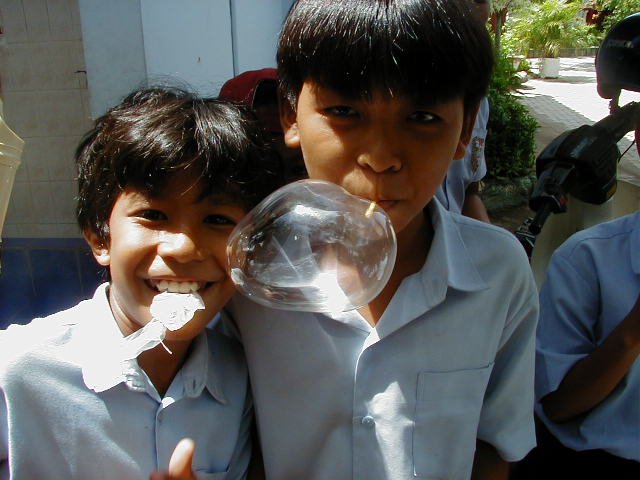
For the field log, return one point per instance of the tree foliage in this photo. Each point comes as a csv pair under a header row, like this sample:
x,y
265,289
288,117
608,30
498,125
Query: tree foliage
x,y
549,26
500,11
616,10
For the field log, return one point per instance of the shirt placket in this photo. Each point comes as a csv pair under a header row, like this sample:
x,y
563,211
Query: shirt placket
x,y
163,426
365,424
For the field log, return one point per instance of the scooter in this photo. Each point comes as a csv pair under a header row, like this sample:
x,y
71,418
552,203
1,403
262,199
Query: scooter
x,y
582,162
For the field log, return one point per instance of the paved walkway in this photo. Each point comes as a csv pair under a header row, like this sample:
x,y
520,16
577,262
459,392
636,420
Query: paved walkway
x,y
572,100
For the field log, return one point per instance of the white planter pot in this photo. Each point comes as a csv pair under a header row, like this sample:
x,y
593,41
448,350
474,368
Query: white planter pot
x,y
549,67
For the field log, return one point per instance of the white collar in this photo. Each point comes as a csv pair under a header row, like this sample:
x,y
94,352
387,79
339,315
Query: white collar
x,y
103,366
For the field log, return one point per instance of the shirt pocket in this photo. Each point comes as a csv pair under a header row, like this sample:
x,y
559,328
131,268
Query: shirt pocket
x,y
448,406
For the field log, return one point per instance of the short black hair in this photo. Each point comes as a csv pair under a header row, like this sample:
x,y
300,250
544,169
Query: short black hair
x,y
158,131
428,50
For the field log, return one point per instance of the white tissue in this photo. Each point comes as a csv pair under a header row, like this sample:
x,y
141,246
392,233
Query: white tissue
x,y
170,311
174,310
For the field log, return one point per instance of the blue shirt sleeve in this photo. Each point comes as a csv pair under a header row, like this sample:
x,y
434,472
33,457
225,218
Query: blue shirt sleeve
x,y
507,412
568,310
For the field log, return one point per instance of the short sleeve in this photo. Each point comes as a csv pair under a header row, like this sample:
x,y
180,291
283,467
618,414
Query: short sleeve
x,y
475,157
506,420
568,310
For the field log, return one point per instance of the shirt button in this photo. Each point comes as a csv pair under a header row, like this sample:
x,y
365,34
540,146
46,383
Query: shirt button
x,y
368,421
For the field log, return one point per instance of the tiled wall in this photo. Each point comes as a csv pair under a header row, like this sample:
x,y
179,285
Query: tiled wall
x,y
43,87
46,104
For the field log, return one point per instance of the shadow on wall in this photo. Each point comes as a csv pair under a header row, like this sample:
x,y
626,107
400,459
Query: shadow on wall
x,y
43,276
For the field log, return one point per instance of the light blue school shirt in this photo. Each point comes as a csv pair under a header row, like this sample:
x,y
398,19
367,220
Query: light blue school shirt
x,y
53,427
592,283
450,360
471,168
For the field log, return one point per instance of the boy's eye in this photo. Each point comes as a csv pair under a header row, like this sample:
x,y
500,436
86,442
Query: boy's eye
x,y
423,117
153,215
220,220
341,111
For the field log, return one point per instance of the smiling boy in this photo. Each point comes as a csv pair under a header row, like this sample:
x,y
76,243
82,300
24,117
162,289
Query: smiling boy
x,y
103,389
434,377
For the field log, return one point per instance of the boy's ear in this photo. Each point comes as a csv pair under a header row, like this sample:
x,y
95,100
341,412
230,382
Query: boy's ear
x,y
98,248
288,121
466,133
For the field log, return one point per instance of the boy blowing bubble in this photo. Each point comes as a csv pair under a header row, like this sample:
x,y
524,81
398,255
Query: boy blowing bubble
x,y
108,388
434,377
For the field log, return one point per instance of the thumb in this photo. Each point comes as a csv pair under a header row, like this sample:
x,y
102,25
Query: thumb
x,y
181,460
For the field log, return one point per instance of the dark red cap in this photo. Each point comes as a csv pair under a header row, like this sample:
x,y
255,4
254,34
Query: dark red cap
x,y
242,88
256,89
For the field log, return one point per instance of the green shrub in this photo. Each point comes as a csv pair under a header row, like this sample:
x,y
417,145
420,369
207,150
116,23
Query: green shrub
x,y
510,145
524,66
505,78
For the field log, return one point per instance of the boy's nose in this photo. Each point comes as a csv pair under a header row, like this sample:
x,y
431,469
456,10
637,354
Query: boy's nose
x,y
380,155
182,247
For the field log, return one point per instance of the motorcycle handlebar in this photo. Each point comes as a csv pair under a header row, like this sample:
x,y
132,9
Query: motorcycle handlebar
x,y
621,121
557,178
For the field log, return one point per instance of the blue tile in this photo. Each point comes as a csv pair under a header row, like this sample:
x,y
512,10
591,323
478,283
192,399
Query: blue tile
x,y
45,243
44,275
92,273
56,279
16,288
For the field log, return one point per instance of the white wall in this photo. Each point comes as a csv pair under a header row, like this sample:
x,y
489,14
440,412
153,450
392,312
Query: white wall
x,y
113,50
188,40
256,25
197,43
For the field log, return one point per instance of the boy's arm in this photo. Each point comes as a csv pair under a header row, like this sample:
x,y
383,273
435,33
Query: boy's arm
x,y
488,464
592,379
473,206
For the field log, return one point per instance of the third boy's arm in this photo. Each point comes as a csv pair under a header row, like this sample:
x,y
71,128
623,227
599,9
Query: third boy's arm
x,y
592,379
487,463
473,206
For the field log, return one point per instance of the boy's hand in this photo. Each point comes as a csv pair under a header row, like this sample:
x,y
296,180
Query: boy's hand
x,y
180,463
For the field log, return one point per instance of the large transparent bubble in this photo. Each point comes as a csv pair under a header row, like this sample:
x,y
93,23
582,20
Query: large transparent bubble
x,y
311,246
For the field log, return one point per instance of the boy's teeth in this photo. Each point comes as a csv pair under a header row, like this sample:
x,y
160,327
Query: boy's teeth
x,y
177,287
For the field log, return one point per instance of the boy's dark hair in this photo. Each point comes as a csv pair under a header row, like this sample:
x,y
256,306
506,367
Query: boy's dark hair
x,y
156,132
428,50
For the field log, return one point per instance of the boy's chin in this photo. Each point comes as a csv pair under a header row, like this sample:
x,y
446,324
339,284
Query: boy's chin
x,y
188,332
411,226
